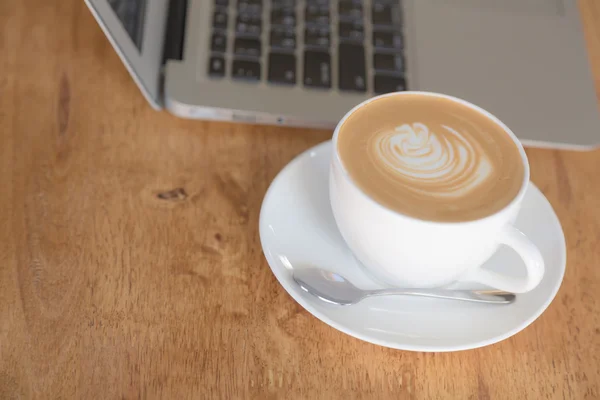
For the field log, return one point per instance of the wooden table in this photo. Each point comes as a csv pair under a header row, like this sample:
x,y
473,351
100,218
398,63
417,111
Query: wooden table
x,y
130,262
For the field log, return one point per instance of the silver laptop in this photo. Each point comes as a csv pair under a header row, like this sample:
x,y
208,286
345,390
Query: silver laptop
x,y
307,62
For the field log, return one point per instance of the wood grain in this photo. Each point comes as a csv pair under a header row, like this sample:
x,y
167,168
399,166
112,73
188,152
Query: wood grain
x,y
130,263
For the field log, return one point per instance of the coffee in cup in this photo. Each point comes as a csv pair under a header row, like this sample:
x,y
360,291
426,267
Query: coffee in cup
x,y
430,158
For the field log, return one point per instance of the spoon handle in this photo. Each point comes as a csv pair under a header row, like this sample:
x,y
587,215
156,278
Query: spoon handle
x,y
479,296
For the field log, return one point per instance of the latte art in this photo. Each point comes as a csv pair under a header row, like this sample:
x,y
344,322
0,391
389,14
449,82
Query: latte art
x,y
443,164
430,157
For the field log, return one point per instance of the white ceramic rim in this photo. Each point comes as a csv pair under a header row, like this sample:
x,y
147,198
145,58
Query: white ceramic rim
x,y
296,294
396,214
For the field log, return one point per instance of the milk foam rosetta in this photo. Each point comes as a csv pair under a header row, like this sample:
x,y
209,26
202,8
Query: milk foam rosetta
x,y
431,157
442,164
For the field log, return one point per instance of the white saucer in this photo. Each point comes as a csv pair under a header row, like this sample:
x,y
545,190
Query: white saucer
x,y
297,230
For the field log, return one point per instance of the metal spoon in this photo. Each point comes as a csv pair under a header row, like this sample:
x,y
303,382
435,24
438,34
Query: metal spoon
x,y
333,288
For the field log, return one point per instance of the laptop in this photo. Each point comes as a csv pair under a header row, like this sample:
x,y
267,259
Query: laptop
x,y
307,62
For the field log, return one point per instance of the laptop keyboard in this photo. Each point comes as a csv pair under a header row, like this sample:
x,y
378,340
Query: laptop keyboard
x,y
302,42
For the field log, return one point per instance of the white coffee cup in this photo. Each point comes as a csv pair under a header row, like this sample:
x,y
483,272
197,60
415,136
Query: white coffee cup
x,y
404,251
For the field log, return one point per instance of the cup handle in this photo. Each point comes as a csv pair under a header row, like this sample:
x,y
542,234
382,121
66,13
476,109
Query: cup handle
x,y
534,264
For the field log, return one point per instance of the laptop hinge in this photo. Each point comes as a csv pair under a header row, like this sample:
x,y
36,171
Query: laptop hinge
x,y
174,39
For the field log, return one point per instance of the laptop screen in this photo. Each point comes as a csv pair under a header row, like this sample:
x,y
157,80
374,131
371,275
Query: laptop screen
x,y
131,13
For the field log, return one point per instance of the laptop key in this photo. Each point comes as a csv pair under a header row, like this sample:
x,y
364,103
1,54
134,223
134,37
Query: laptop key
x,y
283,38
387,40
245,70
350,10
282,68
351,31
317,69
220,20
216,66
249,18
248,25
318,37
381,14
316,14
249,7
351,67
283,17
218,42
388,63
247,47
387,84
